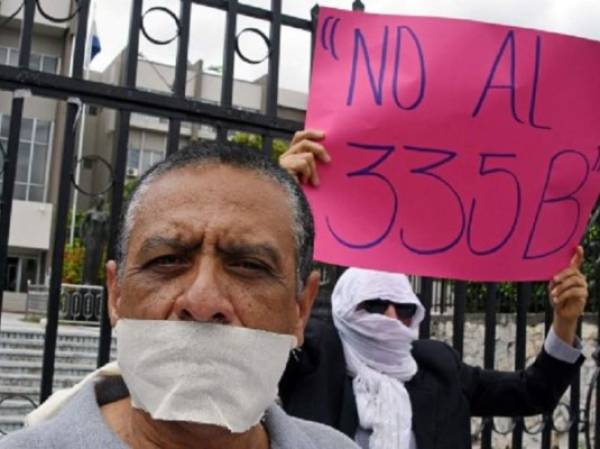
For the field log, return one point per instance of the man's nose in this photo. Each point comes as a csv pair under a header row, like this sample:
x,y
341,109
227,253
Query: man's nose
x,y
390,312
205,298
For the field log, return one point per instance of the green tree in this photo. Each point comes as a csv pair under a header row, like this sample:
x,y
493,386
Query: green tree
x,y
254,141
73,262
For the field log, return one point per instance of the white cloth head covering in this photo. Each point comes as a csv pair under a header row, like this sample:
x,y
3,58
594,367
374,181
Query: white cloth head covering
x,y
377,350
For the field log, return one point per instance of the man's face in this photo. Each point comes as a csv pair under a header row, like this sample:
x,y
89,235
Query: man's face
x,y
213,243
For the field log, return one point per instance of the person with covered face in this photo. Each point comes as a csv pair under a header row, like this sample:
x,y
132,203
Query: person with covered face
x,y
210,293
370,376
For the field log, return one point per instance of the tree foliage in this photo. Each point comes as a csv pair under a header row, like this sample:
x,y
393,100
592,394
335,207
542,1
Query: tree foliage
x,y
73,262
254,141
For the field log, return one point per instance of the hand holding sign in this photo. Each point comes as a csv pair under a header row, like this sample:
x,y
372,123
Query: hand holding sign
x,y
300,159
479,164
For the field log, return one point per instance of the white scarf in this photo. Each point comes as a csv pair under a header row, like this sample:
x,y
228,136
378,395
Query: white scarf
x,y
378,353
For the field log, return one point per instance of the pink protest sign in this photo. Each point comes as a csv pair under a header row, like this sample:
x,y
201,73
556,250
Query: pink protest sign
x,y
459,149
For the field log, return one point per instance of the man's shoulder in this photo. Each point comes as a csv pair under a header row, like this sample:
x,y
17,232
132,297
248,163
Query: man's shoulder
x,y
288,432
28,438
323,436
428,347
436,356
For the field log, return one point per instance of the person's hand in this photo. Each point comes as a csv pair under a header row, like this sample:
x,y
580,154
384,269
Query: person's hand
x,y
300,158
568,296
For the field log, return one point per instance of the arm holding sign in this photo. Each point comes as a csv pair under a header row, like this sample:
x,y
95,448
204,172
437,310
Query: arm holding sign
x,y
539,387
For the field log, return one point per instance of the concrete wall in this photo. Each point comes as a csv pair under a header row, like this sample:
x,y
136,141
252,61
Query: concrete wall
x,y
246,95
30,225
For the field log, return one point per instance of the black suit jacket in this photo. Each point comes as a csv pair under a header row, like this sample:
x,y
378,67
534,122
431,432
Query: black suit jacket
x,y
444,393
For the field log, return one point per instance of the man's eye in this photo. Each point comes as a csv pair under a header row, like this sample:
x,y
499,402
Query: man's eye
x,y
251,265
168,260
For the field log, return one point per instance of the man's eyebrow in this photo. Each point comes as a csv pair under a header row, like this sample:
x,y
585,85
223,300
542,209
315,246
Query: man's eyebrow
x,y
152,243
250,249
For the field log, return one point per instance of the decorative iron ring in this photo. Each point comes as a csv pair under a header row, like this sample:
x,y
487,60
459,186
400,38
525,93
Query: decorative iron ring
x,y
103,162
262,35
504,432
58,19
170,13
569,422
13,15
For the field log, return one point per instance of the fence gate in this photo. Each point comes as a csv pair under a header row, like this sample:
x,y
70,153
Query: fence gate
x,y
126,98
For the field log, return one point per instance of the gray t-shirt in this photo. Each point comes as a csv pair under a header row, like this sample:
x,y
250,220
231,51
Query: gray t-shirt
x,y
80,425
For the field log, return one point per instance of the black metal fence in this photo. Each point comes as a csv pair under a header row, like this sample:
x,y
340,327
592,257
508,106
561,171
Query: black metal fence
x,y
127,98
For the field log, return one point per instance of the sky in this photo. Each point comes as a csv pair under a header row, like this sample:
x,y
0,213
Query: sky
x,y
579,18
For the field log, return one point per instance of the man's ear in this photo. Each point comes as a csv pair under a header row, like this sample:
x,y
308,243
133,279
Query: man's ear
x,y
305,302
114,291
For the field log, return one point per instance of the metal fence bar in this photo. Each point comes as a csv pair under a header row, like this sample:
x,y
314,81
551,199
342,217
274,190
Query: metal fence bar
x,y
228,63
524,293
9,172
62,209
458,317
272,91
547,418
491,301
442,302
426,297
257,13
129,76
574,405
180,72
119,97
314,17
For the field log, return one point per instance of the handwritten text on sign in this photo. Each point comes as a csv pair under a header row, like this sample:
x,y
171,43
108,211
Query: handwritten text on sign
x,y
459,149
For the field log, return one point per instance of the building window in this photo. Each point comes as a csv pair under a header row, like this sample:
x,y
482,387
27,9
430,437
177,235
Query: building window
x,y
21,271
34,148
139,160
43,63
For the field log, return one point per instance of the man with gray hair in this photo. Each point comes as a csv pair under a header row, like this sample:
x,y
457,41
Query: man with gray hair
x,y
211,291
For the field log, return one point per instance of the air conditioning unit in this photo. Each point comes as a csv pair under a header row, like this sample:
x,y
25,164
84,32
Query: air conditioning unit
x,y
132,172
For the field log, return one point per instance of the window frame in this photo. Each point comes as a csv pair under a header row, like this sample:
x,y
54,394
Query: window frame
x,y
31,143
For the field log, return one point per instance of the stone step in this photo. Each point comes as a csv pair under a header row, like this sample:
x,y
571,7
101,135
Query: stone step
x,y
40,330
16,407
33,380
10,423
25,365
60,345
61,356
31,391
21,354
35,368
79,336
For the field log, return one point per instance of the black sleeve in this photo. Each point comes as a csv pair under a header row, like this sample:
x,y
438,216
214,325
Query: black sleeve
x,y
536,389
312,385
